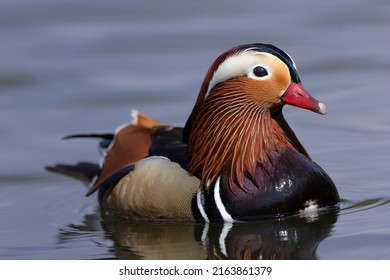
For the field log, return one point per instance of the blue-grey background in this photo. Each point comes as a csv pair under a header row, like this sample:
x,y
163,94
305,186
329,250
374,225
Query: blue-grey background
x,y
81,66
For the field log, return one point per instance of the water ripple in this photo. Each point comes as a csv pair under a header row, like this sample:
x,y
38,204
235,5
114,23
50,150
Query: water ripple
x,y
364,205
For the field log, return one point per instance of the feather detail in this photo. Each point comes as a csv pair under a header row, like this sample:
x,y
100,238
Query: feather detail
x,y
233,132
131,143
157,188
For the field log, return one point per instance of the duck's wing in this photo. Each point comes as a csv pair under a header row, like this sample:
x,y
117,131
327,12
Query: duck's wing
x,y
167,141
131,143
156,186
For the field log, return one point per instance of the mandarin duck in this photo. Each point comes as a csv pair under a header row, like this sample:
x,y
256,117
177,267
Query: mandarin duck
x,y
235,159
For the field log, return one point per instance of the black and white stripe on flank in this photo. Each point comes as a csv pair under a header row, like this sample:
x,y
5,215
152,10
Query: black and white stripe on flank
x,y
200,203
214,202
218,201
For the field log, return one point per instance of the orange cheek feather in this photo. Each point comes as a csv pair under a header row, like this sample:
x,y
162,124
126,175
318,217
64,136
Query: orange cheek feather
x,y
264,91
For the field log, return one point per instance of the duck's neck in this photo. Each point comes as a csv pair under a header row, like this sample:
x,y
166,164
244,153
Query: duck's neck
x,y
233,134
278,117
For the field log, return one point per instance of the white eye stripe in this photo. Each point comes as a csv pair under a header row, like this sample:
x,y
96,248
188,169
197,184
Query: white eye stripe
x,y
240,64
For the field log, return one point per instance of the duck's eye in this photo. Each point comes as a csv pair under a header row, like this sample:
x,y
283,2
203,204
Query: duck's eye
x,y
260,71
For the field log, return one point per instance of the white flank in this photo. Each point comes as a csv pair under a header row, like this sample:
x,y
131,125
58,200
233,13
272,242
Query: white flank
x,y
218,201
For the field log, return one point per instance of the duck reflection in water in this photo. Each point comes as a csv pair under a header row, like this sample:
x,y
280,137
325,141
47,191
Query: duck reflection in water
x,y
295,237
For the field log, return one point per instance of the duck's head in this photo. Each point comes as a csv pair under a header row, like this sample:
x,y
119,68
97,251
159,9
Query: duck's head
x,y
262,72
243,87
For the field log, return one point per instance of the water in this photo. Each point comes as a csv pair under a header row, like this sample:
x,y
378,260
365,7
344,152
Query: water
x,y
80,66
